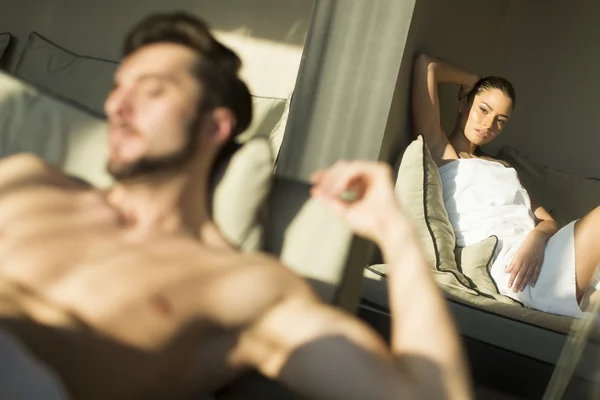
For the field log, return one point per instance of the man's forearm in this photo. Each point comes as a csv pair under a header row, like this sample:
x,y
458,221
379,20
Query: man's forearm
x,y
422,330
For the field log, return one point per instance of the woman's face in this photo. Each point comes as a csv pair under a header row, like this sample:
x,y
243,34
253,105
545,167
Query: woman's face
x,y
487,116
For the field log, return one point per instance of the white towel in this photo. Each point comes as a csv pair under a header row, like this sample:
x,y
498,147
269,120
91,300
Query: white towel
x,y
485,198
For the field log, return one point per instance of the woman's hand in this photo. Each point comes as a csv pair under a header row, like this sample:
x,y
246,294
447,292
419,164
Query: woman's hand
x,y
527,262
465,88
463,92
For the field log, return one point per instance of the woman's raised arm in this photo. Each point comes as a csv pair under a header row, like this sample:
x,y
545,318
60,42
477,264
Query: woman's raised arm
x,y
428,72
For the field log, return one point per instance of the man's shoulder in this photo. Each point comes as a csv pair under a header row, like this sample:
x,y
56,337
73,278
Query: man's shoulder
x,y
25,169
23,162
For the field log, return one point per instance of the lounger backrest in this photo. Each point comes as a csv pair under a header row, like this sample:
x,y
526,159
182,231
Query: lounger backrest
x,y
312,241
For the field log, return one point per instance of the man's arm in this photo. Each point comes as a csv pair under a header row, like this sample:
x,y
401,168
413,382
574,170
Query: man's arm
x,y
324,353
20,167
421,323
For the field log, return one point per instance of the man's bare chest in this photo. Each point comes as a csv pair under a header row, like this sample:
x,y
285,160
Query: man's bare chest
x,y
46,232
74,255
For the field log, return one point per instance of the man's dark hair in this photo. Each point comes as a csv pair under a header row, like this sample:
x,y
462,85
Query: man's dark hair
x,y
217,67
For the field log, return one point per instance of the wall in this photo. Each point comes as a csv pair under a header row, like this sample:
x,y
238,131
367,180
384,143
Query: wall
x,y
546,48
551,56
445,29
268,34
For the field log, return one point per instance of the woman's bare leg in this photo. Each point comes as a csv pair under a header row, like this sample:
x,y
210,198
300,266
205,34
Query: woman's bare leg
x,y
587,250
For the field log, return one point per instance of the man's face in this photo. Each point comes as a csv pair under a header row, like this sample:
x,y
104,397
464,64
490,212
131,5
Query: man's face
x,y
153,112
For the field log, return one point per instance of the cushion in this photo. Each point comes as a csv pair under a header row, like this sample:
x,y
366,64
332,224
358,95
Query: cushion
x,y
420,192
267,113
241,193
566,197
5,39
84,80
74,140
475,261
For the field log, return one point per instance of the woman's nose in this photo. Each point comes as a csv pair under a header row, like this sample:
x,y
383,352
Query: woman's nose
x,y
488,121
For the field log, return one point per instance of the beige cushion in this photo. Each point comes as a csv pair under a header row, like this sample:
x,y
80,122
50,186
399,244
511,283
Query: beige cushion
x,y
420,191
475,262
566,197
241,193
84,80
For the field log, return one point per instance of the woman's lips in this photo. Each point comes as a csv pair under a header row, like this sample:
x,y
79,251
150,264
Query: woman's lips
x,y
481,134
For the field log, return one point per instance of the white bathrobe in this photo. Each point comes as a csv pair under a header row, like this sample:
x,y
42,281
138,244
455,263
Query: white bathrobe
x,y
485,198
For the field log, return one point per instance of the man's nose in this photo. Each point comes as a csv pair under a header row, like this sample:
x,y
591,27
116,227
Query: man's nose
x,y
118,103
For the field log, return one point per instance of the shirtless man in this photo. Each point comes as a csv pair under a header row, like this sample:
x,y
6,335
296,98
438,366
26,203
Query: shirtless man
x,y
131,293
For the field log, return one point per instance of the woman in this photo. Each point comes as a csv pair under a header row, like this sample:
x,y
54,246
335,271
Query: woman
x,y
535,262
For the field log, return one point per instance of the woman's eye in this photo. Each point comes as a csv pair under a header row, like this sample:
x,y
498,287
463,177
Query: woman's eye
x,y
483,110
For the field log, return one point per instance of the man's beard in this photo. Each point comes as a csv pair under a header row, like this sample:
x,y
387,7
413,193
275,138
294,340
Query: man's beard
x,y
160,165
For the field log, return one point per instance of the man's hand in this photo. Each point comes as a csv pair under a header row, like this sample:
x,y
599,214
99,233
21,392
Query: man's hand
x,y
527,262
362,194
421,326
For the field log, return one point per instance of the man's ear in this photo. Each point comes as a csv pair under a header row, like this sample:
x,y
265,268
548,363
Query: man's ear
x,y
222,124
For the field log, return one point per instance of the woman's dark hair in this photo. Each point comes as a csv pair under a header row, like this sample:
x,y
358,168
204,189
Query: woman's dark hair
x,y
216,69
493,82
